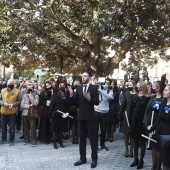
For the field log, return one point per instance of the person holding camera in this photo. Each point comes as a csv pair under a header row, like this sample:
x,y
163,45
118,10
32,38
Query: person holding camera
x,y
101,111
45,101
29,99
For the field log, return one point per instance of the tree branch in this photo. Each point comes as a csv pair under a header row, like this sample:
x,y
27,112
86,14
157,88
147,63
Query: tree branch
x,y
73,36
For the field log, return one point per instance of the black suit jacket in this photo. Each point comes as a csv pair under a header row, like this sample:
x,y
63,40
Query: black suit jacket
x,y
86,108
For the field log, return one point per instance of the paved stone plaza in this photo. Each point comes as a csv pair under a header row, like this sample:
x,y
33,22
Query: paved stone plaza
x,y
45,157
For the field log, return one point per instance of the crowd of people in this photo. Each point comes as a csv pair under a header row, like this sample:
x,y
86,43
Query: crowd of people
x,y
58,109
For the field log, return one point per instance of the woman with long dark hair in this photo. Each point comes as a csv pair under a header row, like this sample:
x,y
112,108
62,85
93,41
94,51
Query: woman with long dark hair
x,y
73,113
60,101
45,124
113,111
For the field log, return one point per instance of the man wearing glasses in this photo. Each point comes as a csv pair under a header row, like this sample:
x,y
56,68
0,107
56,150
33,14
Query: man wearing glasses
x,y
10,100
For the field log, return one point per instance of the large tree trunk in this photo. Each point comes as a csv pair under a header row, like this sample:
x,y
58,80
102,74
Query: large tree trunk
x,y
101,66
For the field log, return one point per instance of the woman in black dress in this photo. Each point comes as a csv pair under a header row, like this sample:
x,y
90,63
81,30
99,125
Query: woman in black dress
x,y
127,106
140,102
163,128
73,113
154,106
45,125
60,101
113,111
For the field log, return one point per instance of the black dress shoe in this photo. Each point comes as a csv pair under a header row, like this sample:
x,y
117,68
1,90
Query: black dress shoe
x,y
93,164
80,162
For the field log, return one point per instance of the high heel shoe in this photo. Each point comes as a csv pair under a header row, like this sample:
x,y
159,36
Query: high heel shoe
x,y
73,141
140,164
77,141
110,139
55,145
135,163
61,145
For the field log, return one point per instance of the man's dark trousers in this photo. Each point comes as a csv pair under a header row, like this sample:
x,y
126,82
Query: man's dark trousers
x,y
88,126
10,120
101,119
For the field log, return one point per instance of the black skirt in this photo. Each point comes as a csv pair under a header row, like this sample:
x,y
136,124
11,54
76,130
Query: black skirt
x,y
59,124
112,117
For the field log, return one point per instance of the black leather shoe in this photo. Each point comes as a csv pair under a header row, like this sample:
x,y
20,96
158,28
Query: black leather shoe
x,y
80,162
93,164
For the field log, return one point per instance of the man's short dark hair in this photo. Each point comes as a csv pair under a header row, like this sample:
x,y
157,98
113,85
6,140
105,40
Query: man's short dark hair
x,y
90,75
108,79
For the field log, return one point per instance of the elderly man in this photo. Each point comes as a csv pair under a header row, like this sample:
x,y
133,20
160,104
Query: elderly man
x,y
10,100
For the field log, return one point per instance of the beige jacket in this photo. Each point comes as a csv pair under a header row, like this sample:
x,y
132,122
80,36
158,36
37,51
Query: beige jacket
x,y
25,102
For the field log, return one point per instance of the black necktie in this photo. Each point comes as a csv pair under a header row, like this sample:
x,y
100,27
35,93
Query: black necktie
x,y
85,87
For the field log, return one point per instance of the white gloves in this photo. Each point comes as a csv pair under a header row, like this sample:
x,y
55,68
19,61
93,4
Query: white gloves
x,y
65,115
48,103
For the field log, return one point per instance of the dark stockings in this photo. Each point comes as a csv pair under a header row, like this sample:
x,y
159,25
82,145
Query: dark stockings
x,y
58,138
166,168
112,128
126,140
136,147
156,159
55,140
75,132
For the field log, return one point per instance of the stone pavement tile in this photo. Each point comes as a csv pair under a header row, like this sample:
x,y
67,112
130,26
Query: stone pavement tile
x,y
45,157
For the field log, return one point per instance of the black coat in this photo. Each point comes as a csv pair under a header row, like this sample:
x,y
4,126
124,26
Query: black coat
x,y
44,128
58,103
86,108
149,109
163,128
127,105
163,122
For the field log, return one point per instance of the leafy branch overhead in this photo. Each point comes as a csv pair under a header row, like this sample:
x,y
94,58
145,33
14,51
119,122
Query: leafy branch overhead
x,y
36,33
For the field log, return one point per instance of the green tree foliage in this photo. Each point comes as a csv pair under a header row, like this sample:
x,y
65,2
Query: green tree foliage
x,y
28,73
36,33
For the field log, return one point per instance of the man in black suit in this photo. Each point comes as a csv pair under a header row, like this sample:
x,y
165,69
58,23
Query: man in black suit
x,y
87,96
